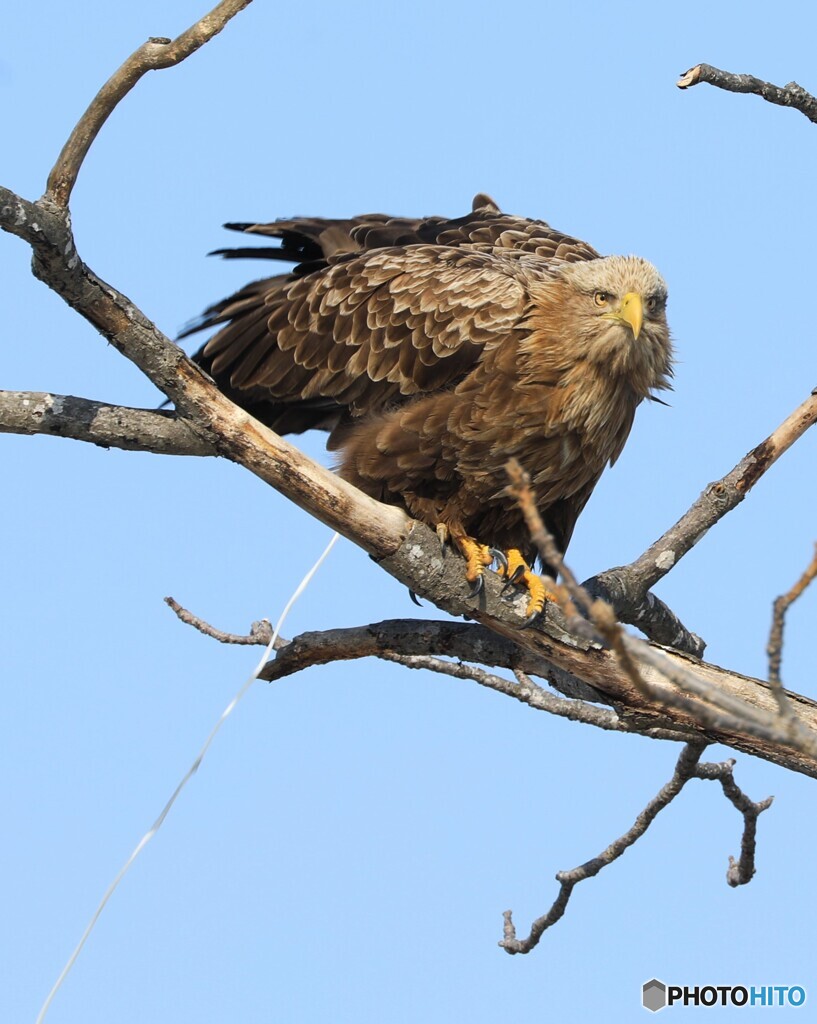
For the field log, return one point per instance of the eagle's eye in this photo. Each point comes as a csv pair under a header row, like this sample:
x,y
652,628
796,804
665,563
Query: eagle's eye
x,y
602,298
654,304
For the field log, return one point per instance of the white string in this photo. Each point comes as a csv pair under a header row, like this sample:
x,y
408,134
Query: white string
x,y
190,773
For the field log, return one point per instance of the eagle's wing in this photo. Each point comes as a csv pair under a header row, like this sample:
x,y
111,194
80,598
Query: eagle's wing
x,y
372,330
312,241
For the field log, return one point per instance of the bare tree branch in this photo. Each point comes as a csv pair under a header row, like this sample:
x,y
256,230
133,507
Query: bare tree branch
x,y
791,95
710,706
528,692
742,870
227,429
680,689
394,638
417,643
151,56
718,711
775,646
649,614
688,767
260,632
110,426
625,587
598,667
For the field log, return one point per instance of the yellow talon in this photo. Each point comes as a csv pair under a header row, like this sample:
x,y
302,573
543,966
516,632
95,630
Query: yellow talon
x,y
477,557
514,568
518,571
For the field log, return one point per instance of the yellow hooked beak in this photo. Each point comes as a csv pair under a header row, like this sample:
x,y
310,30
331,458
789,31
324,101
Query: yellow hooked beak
x,y
631,311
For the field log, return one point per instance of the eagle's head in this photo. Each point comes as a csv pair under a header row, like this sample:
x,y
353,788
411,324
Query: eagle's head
x,y
612,313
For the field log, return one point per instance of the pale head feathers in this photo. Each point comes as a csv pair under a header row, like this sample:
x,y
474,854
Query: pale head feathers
x,y
579,303
615,274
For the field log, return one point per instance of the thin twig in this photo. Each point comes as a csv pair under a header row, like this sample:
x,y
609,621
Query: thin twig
x,y
684,771
791,95
528,692
600,613
688,767
153,55
260,632
775,646
520,488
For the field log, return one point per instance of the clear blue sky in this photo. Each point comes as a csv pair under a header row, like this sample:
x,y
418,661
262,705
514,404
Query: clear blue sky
x,y
348,847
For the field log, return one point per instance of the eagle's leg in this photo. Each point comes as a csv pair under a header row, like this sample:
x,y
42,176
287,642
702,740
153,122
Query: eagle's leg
x,y
519,572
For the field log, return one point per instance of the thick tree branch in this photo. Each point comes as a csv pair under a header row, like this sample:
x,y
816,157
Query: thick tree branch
x,y
677,699
418,643
649,614
717,711
688,767
228,430
602,624
791,95
110,426
397,637
151,56
711,706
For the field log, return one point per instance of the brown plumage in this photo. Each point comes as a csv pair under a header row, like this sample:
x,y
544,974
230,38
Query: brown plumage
x,y
434,350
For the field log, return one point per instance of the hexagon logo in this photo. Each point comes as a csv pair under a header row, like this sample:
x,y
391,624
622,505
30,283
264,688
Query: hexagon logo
x,y
654,995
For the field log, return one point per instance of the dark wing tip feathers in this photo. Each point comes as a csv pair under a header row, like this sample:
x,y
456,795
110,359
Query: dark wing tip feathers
x,y
261,252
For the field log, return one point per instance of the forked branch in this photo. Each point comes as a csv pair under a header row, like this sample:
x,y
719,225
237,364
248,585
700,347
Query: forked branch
x,y
710,705
688,767
156,53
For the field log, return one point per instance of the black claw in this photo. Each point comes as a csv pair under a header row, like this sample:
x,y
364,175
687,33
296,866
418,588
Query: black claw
x,y
517,574
531,619
499,557
413,596
476,587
